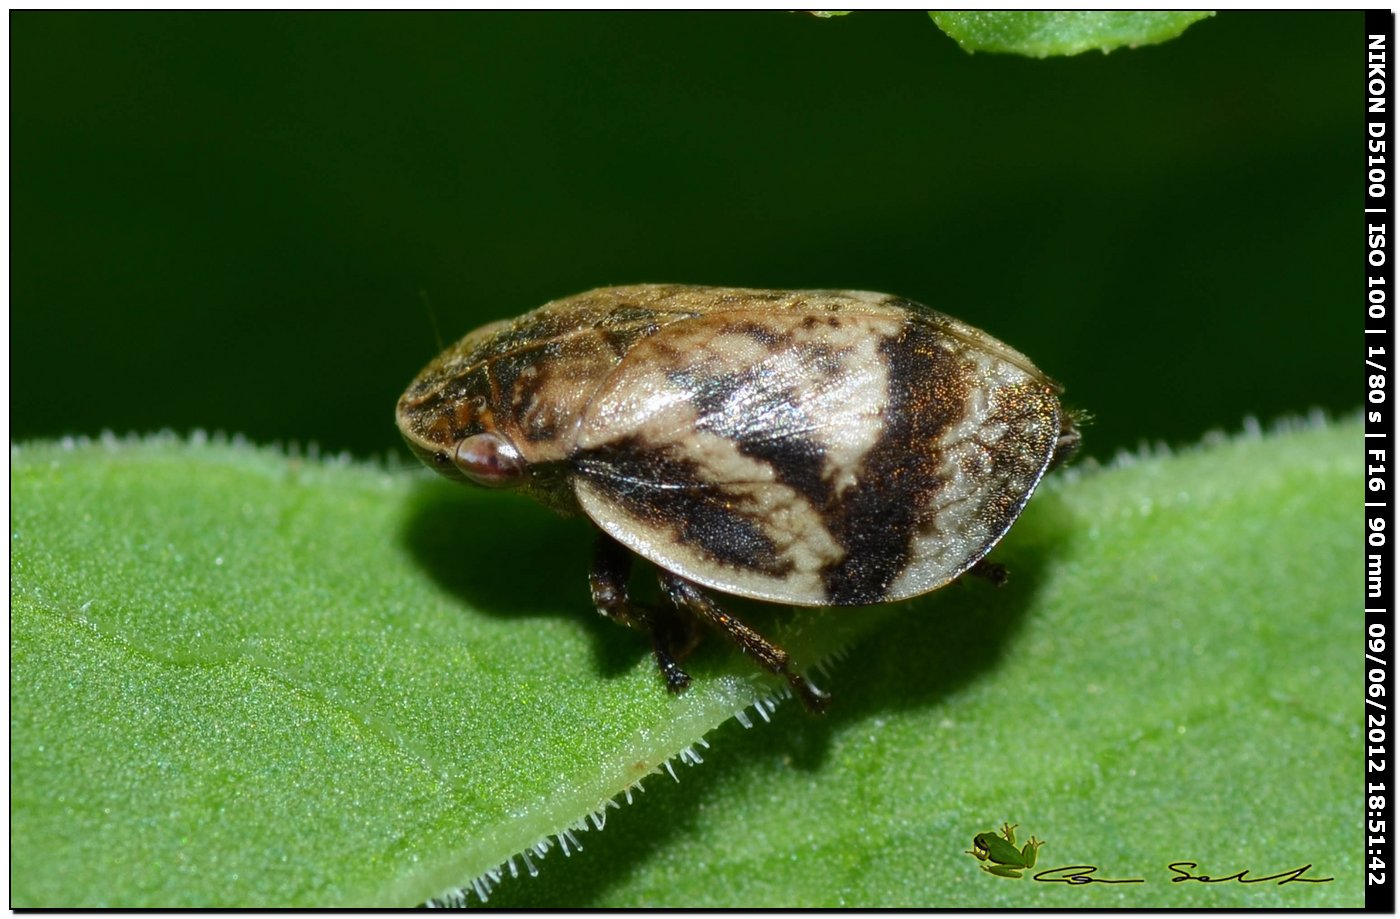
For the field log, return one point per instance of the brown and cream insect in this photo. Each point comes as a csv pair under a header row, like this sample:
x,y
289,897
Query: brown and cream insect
x,y
805,447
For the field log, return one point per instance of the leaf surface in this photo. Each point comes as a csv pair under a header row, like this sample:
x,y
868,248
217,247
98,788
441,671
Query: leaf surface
x,y
239,678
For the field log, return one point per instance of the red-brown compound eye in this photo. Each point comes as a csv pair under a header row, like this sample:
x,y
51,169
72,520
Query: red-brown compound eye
x,y
489,459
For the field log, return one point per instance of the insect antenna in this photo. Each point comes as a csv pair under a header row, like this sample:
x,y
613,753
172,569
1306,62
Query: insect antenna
x,y
432,317
396,462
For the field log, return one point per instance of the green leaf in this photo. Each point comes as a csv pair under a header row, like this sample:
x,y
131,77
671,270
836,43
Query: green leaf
x,y
247,679
1172,673
1042,34
240,678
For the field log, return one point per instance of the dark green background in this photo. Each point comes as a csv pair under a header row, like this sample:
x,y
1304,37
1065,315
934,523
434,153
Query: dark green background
x,y
229,220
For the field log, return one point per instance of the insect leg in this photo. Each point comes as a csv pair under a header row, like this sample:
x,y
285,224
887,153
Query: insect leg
x,y
1067,444
670,638
989,571
770,657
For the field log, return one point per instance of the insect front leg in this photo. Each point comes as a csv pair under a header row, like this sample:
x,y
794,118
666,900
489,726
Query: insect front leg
x,y
770,657
671,637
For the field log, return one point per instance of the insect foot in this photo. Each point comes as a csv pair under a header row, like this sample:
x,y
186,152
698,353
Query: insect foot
x,y
673,637
804,447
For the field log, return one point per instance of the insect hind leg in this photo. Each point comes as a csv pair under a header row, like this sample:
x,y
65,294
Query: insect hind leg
x,y
688,596
1067,444
672,637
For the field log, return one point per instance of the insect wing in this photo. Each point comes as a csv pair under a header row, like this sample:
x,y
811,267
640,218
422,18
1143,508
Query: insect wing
x,y
813,458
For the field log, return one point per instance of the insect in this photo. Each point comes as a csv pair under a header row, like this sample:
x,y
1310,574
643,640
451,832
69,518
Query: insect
x,y
815,448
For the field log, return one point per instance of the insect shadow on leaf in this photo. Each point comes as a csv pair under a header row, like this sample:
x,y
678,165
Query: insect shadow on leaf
x,y
510,559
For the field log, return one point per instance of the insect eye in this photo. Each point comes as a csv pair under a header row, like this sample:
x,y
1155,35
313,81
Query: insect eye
x,y
489,459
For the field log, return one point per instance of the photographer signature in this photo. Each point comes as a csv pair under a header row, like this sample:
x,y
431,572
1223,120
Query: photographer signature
x,y
1084,874
1000,856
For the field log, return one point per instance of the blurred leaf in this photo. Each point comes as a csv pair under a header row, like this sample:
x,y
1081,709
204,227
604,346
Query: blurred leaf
x,y
243,679
1042,34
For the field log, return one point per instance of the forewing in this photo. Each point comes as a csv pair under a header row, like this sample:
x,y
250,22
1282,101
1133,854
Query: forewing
x,y
813,458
